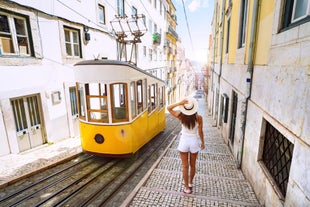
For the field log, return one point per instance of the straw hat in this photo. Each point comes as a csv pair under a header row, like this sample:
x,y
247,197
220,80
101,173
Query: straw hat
x,y
190,108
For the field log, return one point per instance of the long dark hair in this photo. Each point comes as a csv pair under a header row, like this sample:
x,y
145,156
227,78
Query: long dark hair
x,y
189,121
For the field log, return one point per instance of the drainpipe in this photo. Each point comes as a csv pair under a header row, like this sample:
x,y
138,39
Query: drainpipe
x,y
221,61
249,76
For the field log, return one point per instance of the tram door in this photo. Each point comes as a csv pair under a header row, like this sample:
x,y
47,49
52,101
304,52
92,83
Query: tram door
x,y
28,122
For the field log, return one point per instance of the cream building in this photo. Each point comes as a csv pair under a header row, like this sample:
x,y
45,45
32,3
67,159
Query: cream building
x,y
259,93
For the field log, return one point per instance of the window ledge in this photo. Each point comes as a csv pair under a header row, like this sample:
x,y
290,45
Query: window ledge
x,y
271,181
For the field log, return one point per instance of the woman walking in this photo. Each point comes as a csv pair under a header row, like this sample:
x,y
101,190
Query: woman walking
x,y
189,144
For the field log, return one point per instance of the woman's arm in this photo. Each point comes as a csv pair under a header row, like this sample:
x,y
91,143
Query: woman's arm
x,y
200,132
172,106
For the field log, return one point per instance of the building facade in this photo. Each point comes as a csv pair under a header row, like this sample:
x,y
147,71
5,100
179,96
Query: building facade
x,y
39,44
259,93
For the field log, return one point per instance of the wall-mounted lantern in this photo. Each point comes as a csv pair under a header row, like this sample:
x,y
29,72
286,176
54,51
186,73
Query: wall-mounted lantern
x,y
86,34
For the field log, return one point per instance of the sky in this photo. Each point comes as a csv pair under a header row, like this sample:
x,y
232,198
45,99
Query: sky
x,y
199,15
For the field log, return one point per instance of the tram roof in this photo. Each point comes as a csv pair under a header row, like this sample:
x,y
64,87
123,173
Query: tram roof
x,y
114,62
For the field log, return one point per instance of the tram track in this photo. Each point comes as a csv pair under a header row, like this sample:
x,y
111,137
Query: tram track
x,y
89,180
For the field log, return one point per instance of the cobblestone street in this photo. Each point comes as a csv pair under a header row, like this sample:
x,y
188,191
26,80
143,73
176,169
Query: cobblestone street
x,y
218,181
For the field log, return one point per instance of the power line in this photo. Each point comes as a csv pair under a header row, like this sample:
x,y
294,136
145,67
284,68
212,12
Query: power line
x,y
189,33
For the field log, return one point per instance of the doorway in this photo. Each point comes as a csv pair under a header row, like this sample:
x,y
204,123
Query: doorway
x,y
28,122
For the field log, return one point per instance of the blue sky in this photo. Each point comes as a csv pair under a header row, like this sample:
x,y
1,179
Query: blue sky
x,y
199,15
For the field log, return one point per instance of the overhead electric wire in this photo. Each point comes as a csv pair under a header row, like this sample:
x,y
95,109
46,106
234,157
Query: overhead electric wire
x,y
189,33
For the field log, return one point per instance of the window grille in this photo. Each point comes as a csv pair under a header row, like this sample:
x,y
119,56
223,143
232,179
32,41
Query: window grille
x,y
277,156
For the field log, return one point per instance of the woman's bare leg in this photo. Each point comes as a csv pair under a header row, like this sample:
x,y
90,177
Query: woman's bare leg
x,y
193,157
184,159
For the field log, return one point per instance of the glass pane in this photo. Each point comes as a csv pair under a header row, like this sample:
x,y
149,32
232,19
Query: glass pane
x,y
76,50
101,14
19,115
73,101
7,44
68,49
20,26
23,45
139,96
300,8
4,24
103,89
119,101
98,115
81,99
67,36
97,103
33,110
133,99
75,37
93,89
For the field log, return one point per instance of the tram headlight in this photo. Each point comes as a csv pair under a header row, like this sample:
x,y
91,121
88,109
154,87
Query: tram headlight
x,y
99,138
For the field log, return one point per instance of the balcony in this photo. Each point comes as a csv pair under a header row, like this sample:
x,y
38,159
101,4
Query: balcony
x,y
156,38
172,32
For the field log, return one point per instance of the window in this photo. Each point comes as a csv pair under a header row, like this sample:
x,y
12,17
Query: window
x,y
72,41
277,156
82,106
296,12
243,22
101,13
161,96
150,54
121,8
228,35
153,98
150,26
14,35
140,92
96,97
73,101
119,102
144,51
133,99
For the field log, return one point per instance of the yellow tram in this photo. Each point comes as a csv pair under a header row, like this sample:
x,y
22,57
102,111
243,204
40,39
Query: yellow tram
x,y
121,107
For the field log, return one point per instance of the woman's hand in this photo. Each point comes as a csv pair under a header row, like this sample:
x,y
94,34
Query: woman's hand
x,y
202,146
184,101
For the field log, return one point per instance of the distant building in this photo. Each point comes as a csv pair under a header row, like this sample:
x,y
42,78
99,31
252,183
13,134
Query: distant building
x,y
171,52
259,93
39,44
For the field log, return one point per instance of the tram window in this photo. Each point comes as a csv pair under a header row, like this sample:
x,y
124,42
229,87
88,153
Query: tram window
x,y
133,99
140,96
152,101
73,101
144,87
119,102
161,97
97,107
81,95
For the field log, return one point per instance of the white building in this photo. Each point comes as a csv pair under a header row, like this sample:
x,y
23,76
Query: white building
x,y
40,41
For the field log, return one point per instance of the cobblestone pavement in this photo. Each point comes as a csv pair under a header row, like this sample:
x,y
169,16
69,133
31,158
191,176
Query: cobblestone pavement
x,y
218,182
16,166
